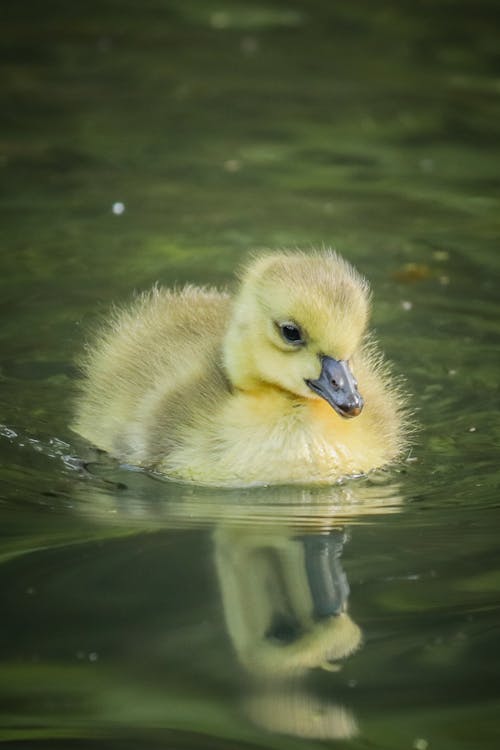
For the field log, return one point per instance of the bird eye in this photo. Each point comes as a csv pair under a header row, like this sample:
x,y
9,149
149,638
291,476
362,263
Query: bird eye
x,y
291,333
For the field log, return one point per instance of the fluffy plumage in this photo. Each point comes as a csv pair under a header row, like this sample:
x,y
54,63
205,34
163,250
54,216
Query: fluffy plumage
x,y
204,386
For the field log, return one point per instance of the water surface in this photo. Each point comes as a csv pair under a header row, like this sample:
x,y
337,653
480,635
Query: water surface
x,y
223,127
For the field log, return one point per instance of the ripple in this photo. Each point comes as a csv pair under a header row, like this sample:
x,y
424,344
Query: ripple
x,y
118,496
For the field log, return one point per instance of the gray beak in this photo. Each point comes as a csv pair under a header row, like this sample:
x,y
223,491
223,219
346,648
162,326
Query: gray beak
x,y
336,384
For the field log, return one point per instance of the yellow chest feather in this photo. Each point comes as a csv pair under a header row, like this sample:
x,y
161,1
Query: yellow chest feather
x,y
264,436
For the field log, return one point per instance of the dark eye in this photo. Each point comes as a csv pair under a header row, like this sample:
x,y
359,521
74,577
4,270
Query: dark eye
x,y
291,333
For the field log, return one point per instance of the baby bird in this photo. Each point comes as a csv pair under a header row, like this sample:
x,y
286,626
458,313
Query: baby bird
x,y
278,384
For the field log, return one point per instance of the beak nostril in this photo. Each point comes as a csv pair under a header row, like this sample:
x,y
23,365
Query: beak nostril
x,y
337,386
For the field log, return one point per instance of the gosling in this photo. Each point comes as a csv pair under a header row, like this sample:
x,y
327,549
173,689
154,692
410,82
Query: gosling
x,y
277,384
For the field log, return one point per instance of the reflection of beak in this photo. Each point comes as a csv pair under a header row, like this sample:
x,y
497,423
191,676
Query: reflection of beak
x,y
327,581
336,384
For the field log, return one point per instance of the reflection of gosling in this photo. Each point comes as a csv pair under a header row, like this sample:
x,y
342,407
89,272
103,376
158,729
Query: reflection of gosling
x,y
257,389
285,600
300,713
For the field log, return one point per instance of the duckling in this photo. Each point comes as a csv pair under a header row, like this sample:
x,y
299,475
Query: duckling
x,y
277,384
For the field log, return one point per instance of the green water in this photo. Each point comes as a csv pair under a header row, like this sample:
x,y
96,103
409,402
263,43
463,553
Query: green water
x,y
222,127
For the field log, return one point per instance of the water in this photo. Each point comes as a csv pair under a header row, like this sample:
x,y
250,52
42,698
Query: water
x,y
163,140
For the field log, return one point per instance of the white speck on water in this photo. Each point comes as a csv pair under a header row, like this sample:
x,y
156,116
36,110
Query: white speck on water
x,y
352,683
232,165
92,656
58,444
249,45
219,20
441,255
118,208
420,744
472,429
426,165
452,372
406,304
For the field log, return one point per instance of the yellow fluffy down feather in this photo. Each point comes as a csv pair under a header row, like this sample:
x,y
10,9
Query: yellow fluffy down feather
x,y
277,384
